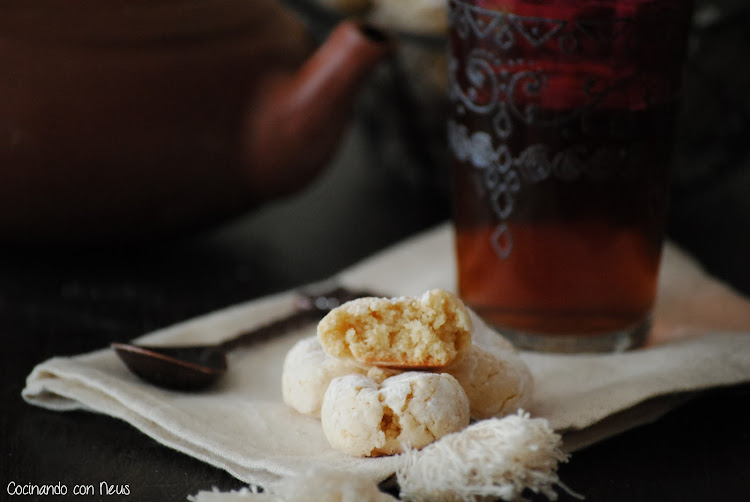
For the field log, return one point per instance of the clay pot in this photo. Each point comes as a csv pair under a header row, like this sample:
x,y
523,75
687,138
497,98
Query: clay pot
x,y
132,118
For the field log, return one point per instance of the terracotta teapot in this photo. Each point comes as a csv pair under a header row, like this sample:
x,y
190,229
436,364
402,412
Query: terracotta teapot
x,y
134,118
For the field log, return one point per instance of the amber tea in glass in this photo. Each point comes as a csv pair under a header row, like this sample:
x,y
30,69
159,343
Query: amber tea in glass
x,y
561,135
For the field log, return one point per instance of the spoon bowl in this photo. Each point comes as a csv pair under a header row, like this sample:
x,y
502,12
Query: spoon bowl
x,y
196,367
177,368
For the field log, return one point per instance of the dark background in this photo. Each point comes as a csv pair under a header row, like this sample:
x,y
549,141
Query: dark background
x,y
62,302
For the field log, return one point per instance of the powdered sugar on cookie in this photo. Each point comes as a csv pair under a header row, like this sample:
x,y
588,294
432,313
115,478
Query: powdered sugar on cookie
x,y
366,419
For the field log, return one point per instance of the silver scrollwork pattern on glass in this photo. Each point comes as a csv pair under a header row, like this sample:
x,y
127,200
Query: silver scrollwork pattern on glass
x,y
488,84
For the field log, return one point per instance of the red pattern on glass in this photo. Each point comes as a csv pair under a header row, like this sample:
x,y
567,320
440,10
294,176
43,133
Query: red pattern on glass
x,y
561,136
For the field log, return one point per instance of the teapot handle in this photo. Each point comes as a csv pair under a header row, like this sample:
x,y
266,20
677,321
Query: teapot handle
x,y
294,129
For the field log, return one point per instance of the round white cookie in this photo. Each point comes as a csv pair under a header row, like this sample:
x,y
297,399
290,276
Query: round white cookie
x,y
497,383
306,373
363,418
496,379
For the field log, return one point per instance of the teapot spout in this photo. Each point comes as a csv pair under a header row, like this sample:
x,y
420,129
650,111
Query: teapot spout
x,y
296,128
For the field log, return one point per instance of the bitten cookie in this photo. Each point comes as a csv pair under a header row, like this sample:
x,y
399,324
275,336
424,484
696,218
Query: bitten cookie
x,y
413,409
429,332
306,373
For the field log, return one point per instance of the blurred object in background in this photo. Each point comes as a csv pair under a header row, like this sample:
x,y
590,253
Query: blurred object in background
x,y
404,108
343,6
424,17
124,120
404,113
710,211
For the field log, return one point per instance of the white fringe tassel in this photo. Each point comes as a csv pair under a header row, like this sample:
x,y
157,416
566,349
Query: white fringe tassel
x,y
491,459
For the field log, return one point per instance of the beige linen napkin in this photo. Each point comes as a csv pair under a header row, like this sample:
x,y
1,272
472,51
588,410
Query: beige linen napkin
x,y
701,340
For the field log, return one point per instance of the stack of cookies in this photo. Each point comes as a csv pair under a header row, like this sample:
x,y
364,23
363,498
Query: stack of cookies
x,y
386,374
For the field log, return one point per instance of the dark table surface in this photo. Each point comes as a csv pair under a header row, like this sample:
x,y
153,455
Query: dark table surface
x,y
59,302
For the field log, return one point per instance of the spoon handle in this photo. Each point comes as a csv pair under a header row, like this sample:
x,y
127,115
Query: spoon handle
x,y
310,307
274,328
